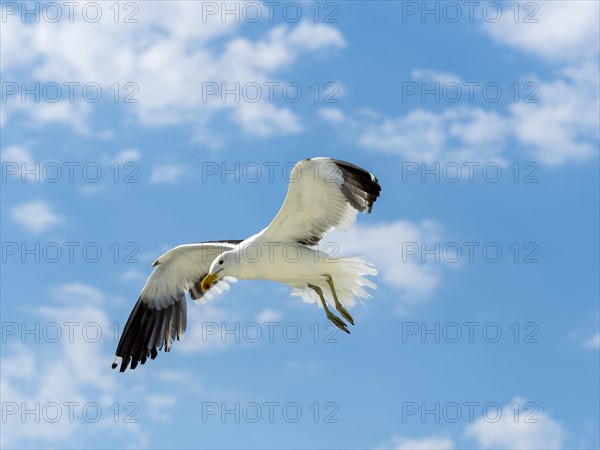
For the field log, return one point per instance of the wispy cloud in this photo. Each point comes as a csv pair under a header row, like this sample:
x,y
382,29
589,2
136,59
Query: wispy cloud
x,y
73,114
17,154
76,293
563,126
126,155
165,36
332,115
268,315
383,245
167,173
435,76
592,342
457,134
517,428
561,32
160,406
534,429
265,119
36,216
70,370
204,333
559,127
133,275
427,443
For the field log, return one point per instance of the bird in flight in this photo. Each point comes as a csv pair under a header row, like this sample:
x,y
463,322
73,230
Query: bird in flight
x,y
323,194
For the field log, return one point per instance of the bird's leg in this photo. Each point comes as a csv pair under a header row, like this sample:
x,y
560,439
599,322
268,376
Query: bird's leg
x,y
338,305
334,319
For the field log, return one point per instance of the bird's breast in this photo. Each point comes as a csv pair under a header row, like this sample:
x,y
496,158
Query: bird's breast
x,y
286,262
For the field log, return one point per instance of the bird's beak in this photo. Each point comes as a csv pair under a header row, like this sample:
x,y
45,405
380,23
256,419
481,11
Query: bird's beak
x,y
209,280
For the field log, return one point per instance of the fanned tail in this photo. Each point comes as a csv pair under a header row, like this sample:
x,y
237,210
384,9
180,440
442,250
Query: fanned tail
x,y
348,280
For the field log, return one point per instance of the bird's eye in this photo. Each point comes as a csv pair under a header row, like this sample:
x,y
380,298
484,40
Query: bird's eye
x,y
221,262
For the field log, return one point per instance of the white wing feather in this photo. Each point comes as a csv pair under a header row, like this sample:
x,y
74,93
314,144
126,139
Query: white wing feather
x,y
323,194
178,271
160,314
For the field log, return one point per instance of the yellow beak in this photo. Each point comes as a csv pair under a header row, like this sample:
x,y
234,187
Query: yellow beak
x,y
209,280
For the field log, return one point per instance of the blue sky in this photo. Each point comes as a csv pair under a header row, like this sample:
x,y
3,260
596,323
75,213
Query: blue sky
x,y
482,127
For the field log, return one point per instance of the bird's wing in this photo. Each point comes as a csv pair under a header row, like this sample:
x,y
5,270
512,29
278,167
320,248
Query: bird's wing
x,y
159,316
323,194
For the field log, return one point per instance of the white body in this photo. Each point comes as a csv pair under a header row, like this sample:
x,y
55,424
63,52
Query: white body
x,y
298,265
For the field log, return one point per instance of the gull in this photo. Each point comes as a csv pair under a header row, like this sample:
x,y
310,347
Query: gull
x,y
323,194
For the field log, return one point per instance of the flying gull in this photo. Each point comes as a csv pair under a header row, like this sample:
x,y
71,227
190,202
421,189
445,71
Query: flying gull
x,y
323,194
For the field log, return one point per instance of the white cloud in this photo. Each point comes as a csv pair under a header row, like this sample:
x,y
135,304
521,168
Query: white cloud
x,y
35,216
563,126
76,293
592,342
167,57
332,115
35,114
533,429
559,128
429,443
435,76
206,324
268,315
71,368
126,155
386,245
160,405
521,426
563,31
133,275
167,173
265,119
457,134
281,46
316,36
90,189
75,367
17,154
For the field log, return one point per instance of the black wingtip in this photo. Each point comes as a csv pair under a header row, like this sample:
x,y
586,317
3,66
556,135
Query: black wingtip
x,y
147,330
361,188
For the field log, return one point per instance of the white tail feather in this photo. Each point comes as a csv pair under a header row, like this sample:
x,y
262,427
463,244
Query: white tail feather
x,y
348,281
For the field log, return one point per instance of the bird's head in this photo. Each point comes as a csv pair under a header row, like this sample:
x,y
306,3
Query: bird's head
x,y
222,266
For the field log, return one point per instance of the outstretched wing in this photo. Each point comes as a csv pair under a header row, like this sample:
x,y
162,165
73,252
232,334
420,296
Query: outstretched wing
x,y
159,316
323,194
